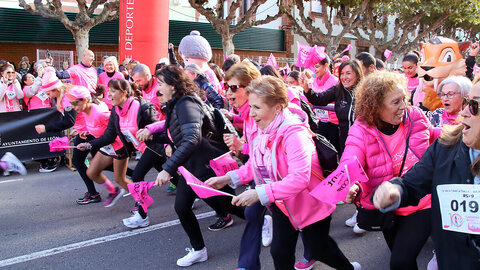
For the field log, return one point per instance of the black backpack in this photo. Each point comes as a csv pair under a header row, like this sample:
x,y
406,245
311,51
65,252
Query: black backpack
x,y
327,154
216,124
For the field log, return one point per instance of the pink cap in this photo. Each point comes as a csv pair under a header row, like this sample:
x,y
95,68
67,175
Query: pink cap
x,y
50,80
78,92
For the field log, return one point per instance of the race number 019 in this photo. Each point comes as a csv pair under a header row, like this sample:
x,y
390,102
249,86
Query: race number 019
x,y
472,205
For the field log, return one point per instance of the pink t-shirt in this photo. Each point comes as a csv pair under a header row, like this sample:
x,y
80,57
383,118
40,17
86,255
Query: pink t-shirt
x,y
128,120
103,79
97,122
412,83
84,76
321,85
396,146
36,102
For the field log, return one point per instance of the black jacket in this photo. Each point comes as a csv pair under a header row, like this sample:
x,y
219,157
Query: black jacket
x,y
438,166
146,116
213,97
68,120
193,150
344,108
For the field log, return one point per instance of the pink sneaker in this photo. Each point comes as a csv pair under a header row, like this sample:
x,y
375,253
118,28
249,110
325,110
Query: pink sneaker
x,y
113,197
304,264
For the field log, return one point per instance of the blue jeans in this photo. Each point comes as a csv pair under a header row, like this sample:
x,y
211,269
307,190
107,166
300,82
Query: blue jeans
x,y
251,243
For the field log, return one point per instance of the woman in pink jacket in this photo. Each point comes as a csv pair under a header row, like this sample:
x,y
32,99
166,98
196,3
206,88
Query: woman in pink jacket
x,y
384,130
284,164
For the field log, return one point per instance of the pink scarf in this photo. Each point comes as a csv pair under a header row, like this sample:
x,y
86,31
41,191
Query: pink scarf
x,y
450,119
123,112
262,153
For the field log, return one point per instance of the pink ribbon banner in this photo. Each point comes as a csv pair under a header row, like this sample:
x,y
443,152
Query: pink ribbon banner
x,y
335,187
223,164
203,190
139,191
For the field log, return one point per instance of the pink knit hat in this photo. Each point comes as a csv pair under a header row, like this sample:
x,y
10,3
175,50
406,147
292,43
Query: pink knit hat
x,y
50,80
78,92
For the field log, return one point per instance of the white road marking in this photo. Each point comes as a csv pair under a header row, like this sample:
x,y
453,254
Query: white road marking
x,y
12,180
96,241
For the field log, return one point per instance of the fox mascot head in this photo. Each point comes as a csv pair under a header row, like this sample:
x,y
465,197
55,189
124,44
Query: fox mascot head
x,y
440,58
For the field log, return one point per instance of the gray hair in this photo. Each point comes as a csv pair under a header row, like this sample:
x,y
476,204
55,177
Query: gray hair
x,y
194,68
141,69
463,83
113,60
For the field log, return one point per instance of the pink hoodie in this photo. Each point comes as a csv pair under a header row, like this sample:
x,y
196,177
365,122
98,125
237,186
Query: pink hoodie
x,y
364,142
298,171
321,85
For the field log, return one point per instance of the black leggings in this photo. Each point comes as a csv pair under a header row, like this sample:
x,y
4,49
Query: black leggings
x,y
183,206
407,238
317,239
78,160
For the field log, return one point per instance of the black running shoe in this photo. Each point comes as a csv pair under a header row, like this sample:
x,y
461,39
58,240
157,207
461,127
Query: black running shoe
x,y
221,224
89,199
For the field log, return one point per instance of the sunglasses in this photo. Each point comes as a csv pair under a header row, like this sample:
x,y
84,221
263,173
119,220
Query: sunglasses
x,y
75,102
472,106
233,88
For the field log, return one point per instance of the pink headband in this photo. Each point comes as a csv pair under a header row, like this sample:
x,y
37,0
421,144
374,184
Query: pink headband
x,y
50,84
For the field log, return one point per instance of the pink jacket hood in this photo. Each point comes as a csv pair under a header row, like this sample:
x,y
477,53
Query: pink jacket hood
x,y
297,169
364,142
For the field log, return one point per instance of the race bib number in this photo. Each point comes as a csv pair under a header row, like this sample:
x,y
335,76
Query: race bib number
x,y
42,95
11,94
264,174
321,114
108,149
129,137
459,207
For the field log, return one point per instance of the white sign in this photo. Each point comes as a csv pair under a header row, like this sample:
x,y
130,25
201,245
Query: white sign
x,y
460,207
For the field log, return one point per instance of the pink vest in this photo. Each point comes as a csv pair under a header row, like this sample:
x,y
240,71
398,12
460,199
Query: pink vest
x,y
129,122
84,76
150,94
103,79
320,85
97,122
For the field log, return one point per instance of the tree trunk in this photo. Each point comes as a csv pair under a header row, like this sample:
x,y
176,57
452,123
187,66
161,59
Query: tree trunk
x,y
227,44
81,38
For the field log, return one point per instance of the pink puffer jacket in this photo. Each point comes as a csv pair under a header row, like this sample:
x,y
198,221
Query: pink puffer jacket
x,y
364,142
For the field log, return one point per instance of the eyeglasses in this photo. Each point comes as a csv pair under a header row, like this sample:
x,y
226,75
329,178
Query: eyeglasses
x,y
233,88
75,102
472,106
448,95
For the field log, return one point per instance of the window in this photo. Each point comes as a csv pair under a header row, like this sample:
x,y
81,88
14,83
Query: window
x,y
316,6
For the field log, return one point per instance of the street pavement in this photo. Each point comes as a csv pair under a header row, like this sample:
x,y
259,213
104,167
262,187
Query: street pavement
x,y
41,227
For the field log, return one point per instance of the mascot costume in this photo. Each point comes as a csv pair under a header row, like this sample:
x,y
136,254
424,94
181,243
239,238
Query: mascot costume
x,y
195,49
439,58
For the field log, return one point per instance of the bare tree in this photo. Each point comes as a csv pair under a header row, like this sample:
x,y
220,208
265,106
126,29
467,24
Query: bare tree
x,y
313,32
223,23
84,20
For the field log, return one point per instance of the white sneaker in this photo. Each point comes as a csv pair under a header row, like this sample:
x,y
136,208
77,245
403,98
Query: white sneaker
x,y
358,230
194,202
192,257
352,221
267,231
14,164
356,266
138,156
136,221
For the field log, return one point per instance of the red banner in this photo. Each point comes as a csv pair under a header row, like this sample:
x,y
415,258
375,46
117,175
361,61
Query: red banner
x,y
143,31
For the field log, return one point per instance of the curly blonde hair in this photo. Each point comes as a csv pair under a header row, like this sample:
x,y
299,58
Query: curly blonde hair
x,y
371,93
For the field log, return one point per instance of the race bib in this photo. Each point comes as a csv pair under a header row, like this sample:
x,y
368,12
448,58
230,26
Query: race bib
x,y
11,94
321,114
129,137
459,207
108,149
42,95
264,174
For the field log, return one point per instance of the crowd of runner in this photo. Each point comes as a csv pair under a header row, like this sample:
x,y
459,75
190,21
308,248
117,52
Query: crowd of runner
x,y
168,117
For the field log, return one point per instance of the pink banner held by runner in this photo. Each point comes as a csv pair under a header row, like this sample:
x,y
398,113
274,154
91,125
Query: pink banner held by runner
x,y
272,61
303,50
223,164
59,144
203,191
139,191
387,54
348,48
335,187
